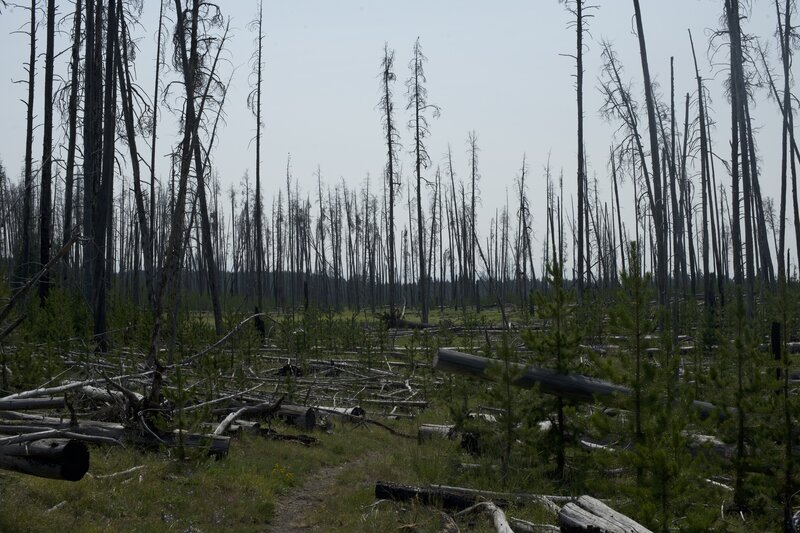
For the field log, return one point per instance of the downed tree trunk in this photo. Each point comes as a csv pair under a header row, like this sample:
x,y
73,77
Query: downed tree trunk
x,y
499,520
570,386
461,498
426,496
255,428
298,415
107,395
66,459
590,514
429,431
217,445
25,404
348,414
266,409
399,403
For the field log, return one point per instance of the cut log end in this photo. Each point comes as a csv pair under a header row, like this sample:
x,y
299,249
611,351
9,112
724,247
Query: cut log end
x,y
64,459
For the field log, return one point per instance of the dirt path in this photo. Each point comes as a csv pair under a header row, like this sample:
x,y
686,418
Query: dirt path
x,y
293,510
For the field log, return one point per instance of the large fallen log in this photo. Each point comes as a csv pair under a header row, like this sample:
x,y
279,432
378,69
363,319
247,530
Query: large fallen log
x,y
570,386
429,431
24,404
348,414
460,498
298,415
590,514
426,496
266,409
65,459
110,432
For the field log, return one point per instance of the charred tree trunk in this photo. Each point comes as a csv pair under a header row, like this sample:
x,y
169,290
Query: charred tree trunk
x,y
658,212
27,202
72,123
46,195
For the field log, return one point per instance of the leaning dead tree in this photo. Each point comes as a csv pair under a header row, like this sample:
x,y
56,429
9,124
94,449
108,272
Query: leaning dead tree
x,y
658,205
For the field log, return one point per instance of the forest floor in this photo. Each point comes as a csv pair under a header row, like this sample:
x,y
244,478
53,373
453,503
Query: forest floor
x,y
304,507
285,486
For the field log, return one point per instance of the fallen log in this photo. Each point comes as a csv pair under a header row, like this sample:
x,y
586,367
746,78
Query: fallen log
x,y
399,403
425,495
65,459
429,431
348,414
298,415
111,432
364,420
570,386
590,514
255,428
266,409
108,395
25,404
459,498
72,385
499,520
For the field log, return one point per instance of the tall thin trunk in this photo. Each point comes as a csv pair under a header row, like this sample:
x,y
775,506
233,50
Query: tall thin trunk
x,y
27,202
473,150
582,238
708,289
619,214
46,195
126,90
72,123
658,212
258,207
389,130
104,198
151,243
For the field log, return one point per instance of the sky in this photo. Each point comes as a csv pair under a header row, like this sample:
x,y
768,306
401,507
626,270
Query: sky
x,y
497,68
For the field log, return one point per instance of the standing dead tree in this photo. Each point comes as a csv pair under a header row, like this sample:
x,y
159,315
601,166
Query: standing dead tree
x,y
391,172
254,103
127,91
418,124
23,267
472,150
46,195
190,56
72,110
578,9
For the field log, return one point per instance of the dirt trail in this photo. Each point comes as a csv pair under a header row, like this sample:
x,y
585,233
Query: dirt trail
x,y
295,511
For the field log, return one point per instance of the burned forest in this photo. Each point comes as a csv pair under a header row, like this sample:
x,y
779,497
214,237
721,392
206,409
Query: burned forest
x,y
335,266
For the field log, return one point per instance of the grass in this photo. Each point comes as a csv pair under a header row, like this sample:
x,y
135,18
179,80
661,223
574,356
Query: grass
x,y
242,491
236,493
239,493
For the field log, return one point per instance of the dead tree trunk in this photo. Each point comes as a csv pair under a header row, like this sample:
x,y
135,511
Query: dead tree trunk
x,y
27,202
658,211
45,192
73,123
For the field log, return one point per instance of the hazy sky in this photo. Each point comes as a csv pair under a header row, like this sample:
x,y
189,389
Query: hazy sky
x,y
494,67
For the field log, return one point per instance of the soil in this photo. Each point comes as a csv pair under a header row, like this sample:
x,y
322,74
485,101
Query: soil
x,y
298,510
